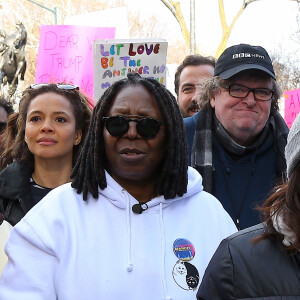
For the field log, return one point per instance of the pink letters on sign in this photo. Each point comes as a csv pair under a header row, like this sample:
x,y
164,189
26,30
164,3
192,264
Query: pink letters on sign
x,y
66,54
292,106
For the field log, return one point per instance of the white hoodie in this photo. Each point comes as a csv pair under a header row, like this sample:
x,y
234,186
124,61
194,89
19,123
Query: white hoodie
x,y
5,230
69,249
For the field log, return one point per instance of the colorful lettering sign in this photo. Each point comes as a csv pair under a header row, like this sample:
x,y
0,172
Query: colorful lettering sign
x,y
292,106
113,59
66,54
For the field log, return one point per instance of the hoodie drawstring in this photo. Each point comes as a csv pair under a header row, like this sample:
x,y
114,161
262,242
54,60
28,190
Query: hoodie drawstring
x,y
129,267
163,251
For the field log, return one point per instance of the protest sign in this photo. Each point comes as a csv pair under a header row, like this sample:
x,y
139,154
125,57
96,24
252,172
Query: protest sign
x,y
66,55
292,106
113,59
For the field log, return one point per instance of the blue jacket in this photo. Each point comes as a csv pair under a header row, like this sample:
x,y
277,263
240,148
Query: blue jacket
x,y
190,127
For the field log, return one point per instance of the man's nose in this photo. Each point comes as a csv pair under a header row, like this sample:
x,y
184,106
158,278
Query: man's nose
x,y
195,95
250,99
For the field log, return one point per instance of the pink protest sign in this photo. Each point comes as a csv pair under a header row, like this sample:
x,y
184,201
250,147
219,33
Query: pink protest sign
x,y
66,54
292,106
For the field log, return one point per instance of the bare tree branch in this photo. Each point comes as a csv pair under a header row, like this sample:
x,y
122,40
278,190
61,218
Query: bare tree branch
x,y
226,30
174,7
170,7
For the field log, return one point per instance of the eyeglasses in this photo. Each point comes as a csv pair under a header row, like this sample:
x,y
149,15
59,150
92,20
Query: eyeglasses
x,y
62,86
240,91
147,128
2,127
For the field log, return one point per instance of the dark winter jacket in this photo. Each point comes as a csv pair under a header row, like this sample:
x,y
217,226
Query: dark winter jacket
x,y
241,269
15,196
248,178
240,181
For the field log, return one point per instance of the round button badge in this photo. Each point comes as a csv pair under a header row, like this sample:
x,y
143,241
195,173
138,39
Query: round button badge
x,y
184,249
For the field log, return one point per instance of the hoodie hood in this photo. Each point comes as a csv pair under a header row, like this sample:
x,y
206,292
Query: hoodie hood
x,y
115,192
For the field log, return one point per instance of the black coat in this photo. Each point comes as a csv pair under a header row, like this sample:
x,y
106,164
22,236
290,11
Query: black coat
x,y
240,269
15,196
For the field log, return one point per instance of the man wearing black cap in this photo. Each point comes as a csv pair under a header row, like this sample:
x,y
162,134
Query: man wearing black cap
x,y
236,141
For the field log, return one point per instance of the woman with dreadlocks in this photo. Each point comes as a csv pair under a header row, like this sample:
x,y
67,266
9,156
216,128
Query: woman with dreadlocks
x,y
135,222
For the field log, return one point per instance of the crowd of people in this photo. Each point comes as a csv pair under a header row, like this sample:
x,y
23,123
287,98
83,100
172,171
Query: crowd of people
x,y
146,196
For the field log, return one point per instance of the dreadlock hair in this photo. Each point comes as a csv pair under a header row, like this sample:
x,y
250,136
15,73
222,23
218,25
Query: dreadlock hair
x,y
16,147
89,171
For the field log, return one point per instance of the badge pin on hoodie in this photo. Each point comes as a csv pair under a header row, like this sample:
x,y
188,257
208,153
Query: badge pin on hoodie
x,y
184,273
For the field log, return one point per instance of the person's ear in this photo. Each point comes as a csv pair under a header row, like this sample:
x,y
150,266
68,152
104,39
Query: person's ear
x,y
78,137
213,101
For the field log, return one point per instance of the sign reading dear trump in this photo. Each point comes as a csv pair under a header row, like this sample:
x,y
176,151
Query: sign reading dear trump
x,y
113,59
292,106
66,55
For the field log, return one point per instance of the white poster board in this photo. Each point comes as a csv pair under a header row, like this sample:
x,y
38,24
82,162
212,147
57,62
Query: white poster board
x,y
113,59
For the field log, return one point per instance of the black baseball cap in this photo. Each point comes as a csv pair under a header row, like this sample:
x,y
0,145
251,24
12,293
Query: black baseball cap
x,y
242,57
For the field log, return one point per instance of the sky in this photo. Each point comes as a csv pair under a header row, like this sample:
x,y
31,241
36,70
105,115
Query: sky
x,y
268,23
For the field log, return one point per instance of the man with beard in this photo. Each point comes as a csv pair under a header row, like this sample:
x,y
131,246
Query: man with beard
x,y
188,77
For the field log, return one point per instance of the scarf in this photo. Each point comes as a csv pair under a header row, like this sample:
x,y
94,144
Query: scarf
x,y
289,237
202,158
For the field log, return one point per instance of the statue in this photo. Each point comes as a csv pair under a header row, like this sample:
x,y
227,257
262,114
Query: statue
x,y
12,63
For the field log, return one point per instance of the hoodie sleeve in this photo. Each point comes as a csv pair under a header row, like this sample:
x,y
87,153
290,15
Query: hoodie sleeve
x,y
218,282
23,278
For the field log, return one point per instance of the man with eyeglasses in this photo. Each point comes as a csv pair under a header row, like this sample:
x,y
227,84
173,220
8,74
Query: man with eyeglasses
x,y
237,140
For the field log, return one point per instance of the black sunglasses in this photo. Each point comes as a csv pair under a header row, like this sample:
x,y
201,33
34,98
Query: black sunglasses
x,y
62,86
2,127
147,128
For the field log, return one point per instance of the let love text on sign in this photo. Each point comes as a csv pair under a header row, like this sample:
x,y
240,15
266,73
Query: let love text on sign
x,y
113,59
